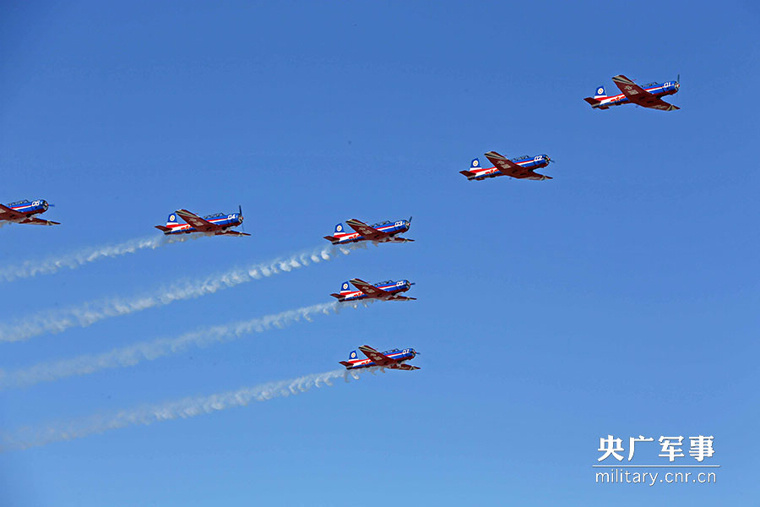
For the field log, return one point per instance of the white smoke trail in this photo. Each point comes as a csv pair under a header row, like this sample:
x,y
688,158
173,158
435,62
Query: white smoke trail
x,y
74,260
91,312
152,350
26,437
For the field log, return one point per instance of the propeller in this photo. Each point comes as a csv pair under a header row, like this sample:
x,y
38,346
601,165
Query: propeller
x,y
240,211
410,219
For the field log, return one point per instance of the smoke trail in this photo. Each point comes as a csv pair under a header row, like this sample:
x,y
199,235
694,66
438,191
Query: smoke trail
x,y
26,437
91,312
152,350
77,259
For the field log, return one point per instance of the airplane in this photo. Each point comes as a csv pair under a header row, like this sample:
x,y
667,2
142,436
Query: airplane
x,y
382,232
22,212
520,167
384,291
218,224
648,96
393,359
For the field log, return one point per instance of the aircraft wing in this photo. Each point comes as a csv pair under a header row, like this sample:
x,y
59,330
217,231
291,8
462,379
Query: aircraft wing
x,y
233,233
369,289
378,358
640,96
38,221
509,168
7,213
503,164
365,230
197,222
404,366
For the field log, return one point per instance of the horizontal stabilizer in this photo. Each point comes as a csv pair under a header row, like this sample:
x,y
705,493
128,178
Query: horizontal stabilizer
x,y
38,221
162,228
467,173
407,367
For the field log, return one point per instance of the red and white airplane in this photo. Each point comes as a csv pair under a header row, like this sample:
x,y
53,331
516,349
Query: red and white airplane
x,y
393,359
520,167
384,291
218,224
649,96
22,212
382,232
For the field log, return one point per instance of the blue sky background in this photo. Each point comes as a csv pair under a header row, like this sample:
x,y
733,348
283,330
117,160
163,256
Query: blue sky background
x,y
618,298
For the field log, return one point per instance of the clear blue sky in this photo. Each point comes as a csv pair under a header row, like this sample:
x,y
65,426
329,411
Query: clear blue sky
x,y
618,298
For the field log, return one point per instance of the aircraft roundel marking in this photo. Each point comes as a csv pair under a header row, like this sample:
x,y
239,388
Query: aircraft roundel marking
x,y
345,286
475,163
172,218
353,355
339,228
600,91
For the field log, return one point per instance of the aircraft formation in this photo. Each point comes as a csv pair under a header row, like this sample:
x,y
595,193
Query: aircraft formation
x,y
524,167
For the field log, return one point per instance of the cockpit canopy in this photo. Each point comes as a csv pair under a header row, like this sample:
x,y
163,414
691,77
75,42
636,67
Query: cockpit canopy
x,y
215,215
380,224
24,201
386,282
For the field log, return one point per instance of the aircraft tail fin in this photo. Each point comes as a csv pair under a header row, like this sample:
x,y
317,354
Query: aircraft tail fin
x,y
599,94
339,229
475,164
172,220
345,288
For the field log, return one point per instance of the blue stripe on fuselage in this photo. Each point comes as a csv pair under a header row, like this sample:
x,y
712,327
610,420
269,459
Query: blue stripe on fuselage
x,y
393,289
28,208
222,222
398,356
658,90
388,229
